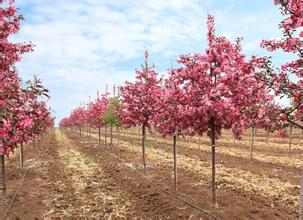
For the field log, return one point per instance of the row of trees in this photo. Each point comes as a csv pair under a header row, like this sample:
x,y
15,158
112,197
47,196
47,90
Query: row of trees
x,y
24,115
219,89
95,114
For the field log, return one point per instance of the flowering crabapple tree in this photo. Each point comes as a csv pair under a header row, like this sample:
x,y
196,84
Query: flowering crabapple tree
x,y
77,118
280,81
170,114
35,110
10,90
20,108
100,107
90,118
93,115
218,87
257,113
64,123
138,101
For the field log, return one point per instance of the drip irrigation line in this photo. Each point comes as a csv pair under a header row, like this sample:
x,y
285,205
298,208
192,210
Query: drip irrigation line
x,y
19,186
162,189
206,212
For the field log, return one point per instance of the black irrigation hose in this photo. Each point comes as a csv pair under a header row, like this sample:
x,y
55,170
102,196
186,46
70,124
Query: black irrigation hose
x,y
19,186
162,189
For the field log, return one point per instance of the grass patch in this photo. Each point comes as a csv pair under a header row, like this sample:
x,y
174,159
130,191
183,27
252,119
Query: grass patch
x,y
90,160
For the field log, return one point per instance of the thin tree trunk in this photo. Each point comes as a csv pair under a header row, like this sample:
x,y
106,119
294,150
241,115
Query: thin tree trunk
x,y
143,146
290,138
90,135
118,133
213,157
199,143
301,200
252,144
111,134
21,156
267,136
175,159
3,178
80,131
99,133
155,138
134,132
105,135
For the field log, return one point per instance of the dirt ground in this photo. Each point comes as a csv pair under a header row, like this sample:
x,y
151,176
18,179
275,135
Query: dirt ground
x,y
68,177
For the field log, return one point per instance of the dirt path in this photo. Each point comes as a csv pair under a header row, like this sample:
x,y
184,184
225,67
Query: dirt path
x,y
235,159
264,152
72,179
254,196
149,202
286,167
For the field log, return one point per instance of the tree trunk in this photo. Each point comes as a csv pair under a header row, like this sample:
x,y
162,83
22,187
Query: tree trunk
x,y
290,138
143,146
118,134
80,131
252,144
134,132
90,135
301,200
21,156
111,134
175,159
213,157
199,143
3,178
99,133
267,136
155,138
105,135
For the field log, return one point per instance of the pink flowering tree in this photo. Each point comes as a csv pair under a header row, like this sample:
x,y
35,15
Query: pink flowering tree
x,y
138,101
64,123
265,115
170,116
218,87
90,118
10,90
280,82
100,108
19,108
77,118
93,115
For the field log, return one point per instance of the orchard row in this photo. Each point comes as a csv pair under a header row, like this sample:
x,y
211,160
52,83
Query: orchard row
x,y
217,90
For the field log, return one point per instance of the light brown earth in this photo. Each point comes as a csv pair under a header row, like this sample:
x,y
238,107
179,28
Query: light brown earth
x,y
72,177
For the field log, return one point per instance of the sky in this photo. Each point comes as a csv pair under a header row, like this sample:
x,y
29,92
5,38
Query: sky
x,y
80,46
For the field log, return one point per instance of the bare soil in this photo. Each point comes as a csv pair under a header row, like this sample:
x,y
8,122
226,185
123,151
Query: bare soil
x,y
69,177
